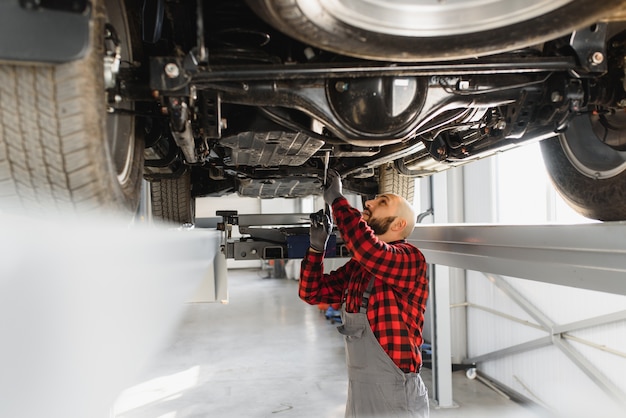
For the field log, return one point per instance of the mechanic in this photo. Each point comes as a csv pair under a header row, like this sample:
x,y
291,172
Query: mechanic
x,y
384,289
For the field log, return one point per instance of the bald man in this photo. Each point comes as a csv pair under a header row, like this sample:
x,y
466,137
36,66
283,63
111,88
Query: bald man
x,y
383,289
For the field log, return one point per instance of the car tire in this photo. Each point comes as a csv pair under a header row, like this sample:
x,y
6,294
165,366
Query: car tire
x,y
171,200
390,181
587,173
59,148
374,30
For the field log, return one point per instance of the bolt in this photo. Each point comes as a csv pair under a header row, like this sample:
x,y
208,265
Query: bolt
x,y
596,58
172,70
309,53
556,97
441,151
341,86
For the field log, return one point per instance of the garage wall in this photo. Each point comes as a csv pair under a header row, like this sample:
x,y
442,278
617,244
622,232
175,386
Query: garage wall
x,y
513,188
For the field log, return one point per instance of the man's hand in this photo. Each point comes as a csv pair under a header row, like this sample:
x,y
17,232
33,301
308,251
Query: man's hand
x,y
333,188
321,226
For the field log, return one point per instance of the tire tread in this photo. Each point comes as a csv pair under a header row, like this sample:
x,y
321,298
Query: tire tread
x,y
393,182
54,153
171,200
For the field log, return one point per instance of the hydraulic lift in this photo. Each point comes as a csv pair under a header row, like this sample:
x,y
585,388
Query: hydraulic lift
x,y
271,236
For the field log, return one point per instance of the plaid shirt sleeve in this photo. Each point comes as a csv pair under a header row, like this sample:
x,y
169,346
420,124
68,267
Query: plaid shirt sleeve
x,y
398,301
316,287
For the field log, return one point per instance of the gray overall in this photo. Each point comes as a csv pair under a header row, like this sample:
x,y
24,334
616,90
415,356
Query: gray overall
x,y
376,386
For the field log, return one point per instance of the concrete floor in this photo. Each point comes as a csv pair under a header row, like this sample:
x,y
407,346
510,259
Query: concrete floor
x,y
266,354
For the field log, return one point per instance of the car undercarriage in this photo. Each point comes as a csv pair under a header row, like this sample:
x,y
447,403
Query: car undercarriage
x,y
234,96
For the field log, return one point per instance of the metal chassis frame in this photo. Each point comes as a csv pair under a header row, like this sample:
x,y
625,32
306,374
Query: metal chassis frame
x,y
188,73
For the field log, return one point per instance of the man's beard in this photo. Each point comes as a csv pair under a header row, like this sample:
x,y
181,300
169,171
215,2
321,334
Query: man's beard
x,y
380,226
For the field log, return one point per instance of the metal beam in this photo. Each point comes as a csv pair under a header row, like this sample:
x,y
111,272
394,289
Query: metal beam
x,y
586,256
590,322
498,313
440,292
515,349
591,371
521,301
375,69
442,353
269,219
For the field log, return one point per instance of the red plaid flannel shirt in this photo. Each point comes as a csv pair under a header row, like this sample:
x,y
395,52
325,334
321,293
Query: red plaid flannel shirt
x,y
398,300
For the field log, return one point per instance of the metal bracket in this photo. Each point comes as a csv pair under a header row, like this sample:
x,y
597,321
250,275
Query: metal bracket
x,y
169,75
209,105
589,43
180,125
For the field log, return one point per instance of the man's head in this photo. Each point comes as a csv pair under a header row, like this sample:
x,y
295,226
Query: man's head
x,y
390,216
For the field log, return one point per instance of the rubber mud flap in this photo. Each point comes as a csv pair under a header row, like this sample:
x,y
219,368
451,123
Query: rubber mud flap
x,y
41,34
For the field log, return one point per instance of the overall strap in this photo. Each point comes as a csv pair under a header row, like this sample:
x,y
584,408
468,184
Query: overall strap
x,y
366,295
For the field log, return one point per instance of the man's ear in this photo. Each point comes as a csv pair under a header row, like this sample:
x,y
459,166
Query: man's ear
x,y
399,224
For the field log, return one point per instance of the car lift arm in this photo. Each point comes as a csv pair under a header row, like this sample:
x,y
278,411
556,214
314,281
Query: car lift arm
x,y
587,256
269,236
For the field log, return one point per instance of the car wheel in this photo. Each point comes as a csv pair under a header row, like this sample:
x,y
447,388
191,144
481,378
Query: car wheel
x,y
171,200
390,181
59,148
426,30
587,167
